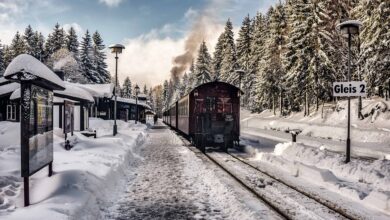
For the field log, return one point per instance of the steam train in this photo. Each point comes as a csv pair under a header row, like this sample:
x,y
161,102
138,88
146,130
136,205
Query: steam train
x,y
209,115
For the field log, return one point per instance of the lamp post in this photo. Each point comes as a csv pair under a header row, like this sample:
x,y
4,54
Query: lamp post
x,y
349,28
136,101
117,49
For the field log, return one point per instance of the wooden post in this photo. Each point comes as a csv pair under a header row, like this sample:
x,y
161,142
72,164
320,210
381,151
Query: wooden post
x,y
26,191
50,169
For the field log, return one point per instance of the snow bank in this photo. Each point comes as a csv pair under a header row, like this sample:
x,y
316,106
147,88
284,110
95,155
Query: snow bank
x,y
367,182
370,137
83,179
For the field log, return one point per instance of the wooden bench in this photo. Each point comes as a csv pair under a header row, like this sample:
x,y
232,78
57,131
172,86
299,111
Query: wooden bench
x,y
89,133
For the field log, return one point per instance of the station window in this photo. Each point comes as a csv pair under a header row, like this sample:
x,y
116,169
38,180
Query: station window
x,y
11,112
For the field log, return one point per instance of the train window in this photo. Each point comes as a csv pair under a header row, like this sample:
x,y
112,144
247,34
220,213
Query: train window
x,y
224,105
198,106
210,104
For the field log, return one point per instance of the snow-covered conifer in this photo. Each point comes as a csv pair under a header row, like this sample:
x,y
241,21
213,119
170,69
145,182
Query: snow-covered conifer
x,y
17,46
374,59
217,58
203,65
229,58
30,41
85,59
126,88
72,43
99,59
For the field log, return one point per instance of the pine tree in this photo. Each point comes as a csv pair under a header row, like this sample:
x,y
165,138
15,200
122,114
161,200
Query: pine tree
x,y
126,88
374,58
259,94
56,40
322,63
217,58
17,46
145,90
300,49
229,58
184,85
30,41
165,95
72,42
86,61
39,50
99,59
203,65
191,78
8,56
244,41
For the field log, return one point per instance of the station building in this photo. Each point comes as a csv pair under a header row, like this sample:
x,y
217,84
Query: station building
x,y
90,100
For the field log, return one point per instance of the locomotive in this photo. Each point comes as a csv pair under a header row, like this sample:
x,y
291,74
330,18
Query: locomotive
x,y
209,115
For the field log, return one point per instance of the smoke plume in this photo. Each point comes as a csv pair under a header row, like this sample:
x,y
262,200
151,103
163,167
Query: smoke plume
x,y
203,29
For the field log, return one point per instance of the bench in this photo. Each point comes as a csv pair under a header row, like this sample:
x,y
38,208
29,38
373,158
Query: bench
x,y
89,133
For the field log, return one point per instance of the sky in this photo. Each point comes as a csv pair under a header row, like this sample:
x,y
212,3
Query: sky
x,y
152,31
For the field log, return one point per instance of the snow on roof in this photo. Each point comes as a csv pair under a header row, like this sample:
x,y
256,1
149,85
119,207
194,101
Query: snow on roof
x,y
350,23
142,95
15,94
8,88
25,63
2,80
98,90
132,101
72,90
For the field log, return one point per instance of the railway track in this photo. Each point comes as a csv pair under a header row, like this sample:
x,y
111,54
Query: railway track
x,y
288,201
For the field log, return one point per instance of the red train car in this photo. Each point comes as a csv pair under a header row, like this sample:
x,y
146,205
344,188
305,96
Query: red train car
x,y
209,114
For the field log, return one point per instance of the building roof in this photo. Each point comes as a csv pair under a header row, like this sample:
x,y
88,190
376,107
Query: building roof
x,y
27,68
132,101
98,90
8,88
71,92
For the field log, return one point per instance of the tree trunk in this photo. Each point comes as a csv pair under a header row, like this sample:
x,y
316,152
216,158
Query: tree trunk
x,y
317,102
273,104
281,104
305,104
308,104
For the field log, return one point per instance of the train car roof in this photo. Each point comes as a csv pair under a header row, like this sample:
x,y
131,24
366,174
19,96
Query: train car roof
x,y
201,85
215,82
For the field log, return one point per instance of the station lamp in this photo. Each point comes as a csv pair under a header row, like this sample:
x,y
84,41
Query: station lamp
x,y
348,29
116,49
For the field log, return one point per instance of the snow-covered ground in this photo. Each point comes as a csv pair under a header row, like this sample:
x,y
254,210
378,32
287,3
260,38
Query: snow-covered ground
x,y
318,160
169,181
84,177
370,137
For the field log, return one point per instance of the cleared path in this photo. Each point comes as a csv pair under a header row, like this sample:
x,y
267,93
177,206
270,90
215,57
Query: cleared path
x,y
172,182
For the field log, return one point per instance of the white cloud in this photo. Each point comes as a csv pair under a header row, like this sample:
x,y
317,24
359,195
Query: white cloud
x,y
145,60
111,3
79,30
15,15
191,13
